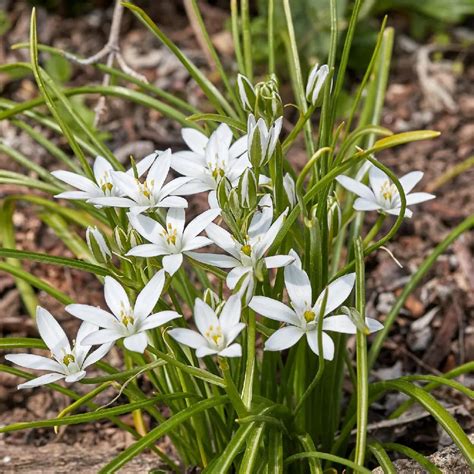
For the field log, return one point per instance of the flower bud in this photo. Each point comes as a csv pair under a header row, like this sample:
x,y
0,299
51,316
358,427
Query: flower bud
x,y
126,240
290,189
262,140
211,298
317,78
247,189
334,215
268,102
246,93
97,245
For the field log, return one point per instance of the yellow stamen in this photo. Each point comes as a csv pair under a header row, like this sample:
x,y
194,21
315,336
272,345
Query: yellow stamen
x,y
247,249
309,316
68,359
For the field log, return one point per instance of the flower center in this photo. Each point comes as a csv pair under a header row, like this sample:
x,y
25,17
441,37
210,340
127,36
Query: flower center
x,y
214,335
309,316
388,190
217,173
68,359
146,188
247,249
107,187
170,234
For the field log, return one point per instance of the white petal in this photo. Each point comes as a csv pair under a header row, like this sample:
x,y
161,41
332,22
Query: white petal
x,y
195,140
195,186
373,325
230,314
199,223
361,204
214,259
149,296
173,201
113,202
73,195
204,351
283,338
376,178
234,350
159,170
175,219
338,291
171,263
270,235
127,184
96,355
339,323
204,316
396,212
416,198
104,336
78,181
148,228
136,342
101,167
410,180
356,187
32,361
233,332
148,250
188,338
197,243
42,380
223,135
144,164
261,220
50,331
328,344
278,261
274,309
115,296
223,239
298,286
75,377
239,147
158,319
93,315
234,276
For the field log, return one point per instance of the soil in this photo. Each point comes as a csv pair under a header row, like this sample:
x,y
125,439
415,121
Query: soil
x,y
435,330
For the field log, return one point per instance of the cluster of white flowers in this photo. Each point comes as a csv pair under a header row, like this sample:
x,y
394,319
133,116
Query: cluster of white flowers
x,y
202,167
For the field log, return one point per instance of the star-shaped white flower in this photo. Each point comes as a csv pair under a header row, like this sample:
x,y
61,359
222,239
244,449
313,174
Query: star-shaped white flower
x,y
245,256
104,185
69,363
125,321
140,196
216,334
174,240
383,195
302,316
209,160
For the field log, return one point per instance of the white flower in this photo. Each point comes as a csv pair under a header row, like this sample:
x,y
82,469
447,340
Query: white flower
x,y
67,362
216,334
302,316
209,160
130,323
245,256
174,240
383,195
317,78
97,244
103,185
261,139
153,192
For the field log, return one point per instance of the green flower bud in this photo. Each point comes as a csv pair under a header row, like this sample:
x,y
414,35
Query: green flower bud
x,y
97,245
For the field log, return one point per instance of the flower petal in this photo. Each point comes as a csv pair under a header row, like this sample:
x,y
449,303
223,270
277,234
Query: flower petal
x,y
339,323
50,331
274,309
234,350
175,219
32,361
270,235
148,250
173,201
278,261
223,239
195,140
148,228
171,263
41,380
204,316
361,204
158,319
373,325
377,178
96,355
204,351
104,336
230,314
75,377
283,338
197,243
78,181
233,332
112,202
416,198
188,337
328,344
410,180
298,286
149,296
234,276
159,170
356,187
136,342
144,164
93,315
338,291
214,259
199,223
115,296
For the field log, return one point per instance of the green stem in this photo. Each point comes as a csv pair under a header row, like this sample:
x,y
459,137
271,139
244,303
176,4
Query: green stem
x,y
247,38
375,229
247,390
231,389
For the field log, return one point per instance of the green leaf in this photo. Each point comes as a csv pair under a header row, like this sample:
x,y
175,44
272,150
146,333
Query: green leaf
x,y
233,123
402,138
62,261
328,457
58,68
21,343
415,455
382,457
94,416
156,433
247,466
